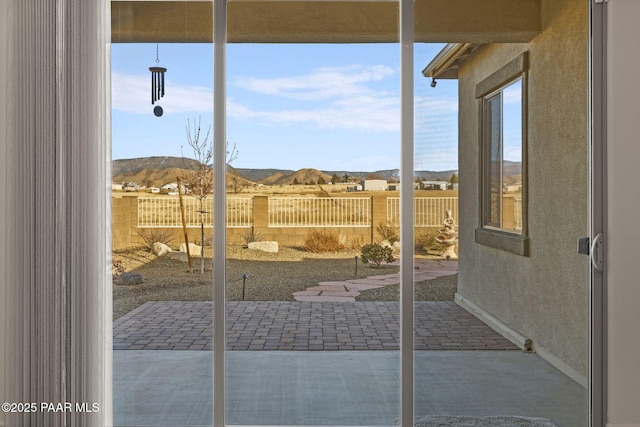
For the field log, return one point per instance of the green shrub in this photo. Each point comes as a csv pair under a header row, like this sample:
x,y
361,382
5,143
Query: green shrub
x,y
375,253
320,241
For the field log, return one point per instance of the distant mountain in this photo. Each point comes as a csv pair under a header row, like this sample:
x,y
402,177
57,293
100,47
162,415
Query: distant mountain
x,y
158,163
435,176
301,176
157,171
258,175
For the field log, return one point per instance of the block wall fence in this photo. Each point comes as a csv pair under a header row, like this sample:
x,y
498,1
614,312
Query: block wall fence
x,y
125,230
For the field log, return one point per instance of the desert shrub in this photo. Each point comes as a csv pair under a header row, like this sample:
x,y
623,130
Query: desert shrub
x,y
390,234
356,243
251,236
319,241
208,239
425,241
152,235
375,253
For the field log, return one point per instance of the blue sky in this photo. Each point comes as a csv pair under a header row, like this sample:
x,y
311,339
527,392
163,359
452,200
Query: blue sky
x,y
330,107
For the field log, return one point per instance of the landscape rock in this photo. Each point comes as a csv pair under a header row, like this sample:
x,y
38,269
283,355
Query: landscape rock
x,y
194,250
386,244
160,249
129,279
180,256
266,246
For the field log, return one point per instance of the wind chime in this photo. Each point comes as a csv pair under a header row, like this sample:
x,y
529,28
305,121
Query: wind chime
x,y
157,85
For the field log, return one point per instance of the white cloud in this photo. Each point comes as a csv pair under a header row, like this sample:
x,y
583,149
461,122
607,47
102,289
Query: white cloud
x,y
347,100
364,113
132,94
323,83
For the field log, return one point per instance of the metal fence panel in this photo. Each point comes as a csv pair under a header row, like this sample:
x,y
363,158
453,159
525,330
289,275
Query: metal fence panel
x,y
428,211
319,212
164,212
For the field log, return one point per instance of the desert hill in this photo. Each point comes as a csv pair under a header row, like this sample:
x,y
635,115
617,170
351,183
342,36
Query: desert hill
x,y
301,176
158,171
261,175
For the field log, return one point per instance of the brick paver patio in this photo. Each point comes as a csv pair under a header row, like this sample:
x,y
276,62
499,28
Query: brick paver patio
x,y
187,325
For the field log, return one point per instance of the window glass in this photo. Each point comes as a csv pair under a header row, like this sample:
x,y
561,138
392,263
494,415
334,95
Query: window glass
x,y
502,141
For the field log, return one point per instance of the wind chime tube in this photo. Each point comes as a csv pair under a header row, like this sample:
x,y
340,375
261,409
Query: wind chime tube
x,y
157,83
153,88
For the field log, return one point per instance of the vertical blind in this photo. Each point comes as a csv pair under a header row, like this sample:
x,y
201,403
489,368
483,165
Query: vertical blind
x,y
56,240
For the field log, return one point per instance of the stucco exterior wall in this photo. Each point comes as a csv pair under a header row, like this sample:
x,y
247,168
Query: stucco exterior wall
x,y
543,296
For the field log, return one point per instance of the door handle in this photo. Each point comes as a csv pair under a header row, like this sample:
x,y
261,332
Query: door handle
x,y
596,252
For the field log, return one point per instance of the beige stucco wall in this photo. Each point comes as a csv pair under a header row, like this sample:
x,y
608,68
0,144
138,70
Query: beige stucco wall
x,y
544,296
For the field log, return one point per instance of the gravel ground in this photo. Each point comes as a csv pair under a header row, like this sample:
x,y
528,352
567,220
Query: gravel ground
x,y
271,277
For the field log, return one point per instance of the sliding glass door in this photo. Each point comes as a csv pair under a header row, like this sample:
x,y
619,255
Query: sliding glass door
x,y
313,109
387,219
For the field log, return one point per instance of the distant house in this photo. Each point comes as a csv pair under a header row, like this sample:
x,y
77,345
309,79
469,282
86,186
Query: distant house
x,y
514,188
375,185
394,187
352,187
172,189
434,185
116,187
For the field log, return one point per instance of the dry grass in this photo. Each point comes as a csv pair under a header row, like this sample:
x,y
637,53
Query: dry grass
x,y
322,241
271,277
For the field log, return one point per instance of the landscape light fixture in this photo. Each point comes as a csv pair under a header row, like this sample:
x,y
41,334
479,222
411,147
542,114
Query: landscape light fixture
x,y
157,85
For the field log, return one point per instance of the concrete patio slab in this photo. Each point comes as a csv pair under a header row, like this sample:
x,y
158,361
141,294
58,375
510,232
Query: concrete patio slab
x,y
341,388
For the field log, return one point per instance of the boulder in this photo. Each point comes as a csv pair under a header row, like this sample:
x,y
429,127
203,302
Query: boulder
x,y
194,250
129,279
267,246
160,249
386,244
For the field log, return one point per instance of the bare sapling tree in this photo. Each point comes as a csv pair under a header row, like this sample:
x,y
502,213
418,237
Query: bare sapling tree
x,y
198,175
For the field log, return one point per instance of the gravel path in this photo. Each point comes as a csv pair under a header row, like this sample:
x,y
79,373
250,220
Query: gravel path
x,y
271,277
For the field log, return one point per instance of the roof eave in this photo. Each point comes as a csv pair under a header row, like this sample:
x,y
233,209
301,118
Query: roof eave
x,y
445,64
